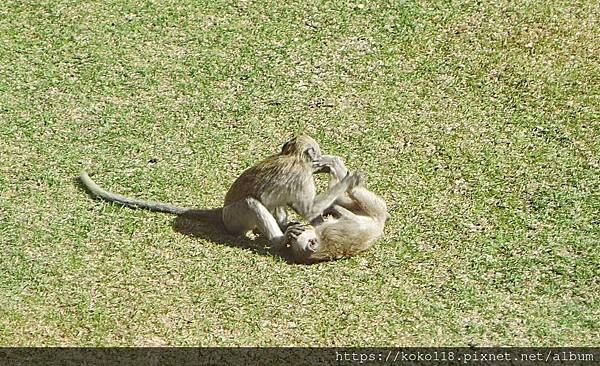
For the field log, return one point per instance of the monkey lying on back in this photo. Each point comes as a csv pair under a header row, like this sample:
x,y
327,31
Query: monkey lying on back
x,y
356,222
259,197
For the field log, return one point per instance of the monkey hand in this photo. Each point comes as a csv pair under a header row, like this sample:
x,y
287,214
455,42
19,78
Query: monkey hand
x,y
352,180
321,166
330,164
294,230
292,223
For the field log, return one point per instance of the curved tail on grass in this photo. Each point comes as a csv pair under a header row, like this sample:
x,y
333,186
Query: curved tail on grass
x,y
92,187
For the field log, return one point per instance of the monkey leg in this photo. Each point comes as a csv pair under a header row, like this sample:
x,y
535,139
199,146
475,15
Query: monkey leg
x,y
337,171
370,203
249,214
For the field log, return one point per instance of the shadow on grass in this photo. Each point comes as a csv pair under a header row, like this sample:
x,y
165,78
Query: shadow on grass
x,y
198,225
214,230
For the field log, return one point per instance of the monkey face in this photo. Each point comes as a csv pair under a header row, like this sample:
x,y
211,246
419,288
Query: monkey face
x,y
306,243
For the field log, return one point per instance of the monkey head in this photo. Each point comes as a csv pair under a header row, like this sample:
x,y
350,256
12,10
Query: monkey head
x,y
304,147
302,241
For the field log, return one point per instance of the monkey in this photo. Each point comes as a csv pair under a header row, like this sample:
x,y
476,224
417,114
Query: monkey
x,y
258,198
356,222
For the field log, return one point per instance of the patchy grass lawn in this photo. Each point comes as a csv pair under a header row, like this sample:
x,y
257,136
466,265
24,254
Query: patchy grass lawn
x,y
478,122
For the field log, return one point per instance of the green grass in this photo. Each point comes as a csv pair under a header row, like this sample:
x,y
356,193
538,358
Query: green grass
x,y
478,122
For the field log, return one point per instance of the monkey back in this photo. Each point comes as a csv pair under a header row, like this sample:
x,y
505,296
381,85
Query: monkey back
x,y
275,181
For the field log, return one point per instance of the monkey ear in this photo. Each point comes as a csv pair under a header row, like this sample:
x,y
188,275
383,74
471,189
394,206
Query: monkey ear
x,y
285,149
311,154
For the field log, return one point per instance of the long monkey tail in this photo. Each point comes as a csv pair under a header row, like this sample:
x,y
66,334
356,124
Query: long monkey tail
x,y
212,214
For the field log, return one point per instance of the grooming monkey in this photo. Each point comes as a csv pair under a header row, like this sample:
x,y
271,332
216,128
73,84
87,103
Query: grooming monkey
x,y
355,222
258,198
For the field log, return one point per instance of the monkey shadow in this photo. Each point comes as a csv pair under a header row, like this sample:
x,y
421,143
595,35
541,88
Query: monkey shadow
x,y
215,232
190,224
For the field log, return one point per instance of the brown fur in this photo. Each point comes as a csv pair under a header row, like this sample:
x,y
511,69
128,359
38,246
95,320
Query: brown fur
x,y
259,197
350,226
287,171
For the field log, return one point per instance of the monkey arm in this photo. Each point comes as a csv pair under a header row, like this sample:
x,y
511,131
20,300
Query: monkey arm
x,y
337,171
281,217
359,198
312,209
